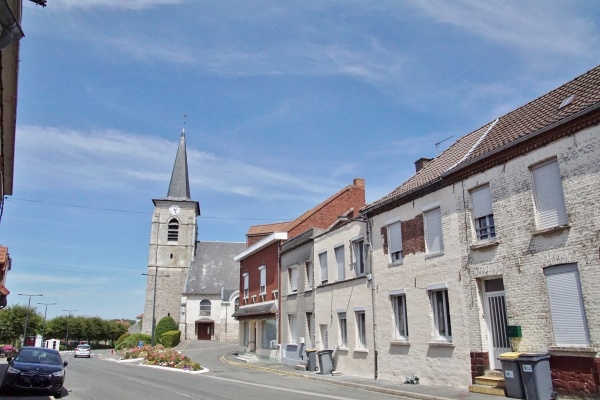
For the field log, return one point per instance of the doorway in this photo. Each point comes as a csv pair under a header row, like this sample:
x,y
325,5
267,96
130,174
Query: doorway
x,y
205,330
497,324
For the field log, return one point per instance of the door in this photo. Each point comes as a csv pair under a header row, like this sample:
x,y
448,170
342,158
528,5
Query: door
x,y
495,315
324,336
205,330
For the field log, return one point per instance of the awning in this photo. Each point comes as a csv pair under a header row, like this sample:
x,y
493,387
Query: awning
x,y
4,291
256,311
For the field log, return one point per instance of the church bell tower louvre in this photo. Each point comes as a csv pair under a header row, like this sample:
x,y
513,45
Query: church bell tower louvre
x,y
173,237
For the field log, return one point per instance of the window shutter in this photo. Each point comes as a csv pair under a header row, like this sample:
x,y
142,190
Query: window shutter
x,y
323,264
566,306
395,237
482,202
339,258
294,279
549,196
433,226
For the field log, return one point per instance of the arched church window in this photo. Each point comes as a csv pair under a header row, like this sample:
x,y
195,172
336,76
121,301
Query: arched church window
x,y
173,230
205,307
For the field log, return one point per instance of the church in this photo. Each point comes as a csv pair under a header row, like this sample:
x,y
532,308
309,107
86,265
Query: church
x,y
194,282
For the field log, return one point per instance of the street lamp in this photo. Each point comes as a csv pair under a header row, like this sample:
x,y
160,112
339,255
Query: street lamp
x,y
154,304
45,311
27,314
67,338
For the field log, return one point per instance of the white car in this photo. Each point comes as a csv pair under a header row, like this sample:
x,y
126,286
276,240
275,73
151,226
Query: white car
x,y
83,350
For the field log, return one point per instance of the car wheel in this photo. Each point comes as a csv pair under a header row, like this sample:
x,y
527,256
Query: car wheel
x,y
58,395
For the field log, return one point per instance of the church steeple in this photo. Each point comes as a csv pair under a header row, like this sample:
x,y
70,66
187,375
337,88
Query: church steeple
x,y
179,188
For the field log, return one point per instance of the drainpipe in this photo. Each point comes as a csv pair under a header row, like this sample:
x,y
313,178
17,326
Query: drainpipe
x,y
10,27
373,293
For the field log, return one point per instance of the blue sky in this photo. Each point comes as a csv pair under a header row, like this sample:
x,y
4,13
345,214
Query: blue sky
x,y
286,103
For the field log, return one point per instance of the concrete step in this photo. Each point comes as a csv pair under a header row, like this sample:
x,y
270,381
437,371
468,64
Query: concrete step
x,y
247,358
484,389
490,380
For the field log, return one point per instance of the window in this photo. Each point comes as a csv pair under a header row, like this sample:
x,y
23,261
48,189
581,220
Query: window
x,y
400,324
483,216
311,329
269,334
173,230
246,285
236,303
549,197
263,279
358,250
395,241
569,322
309,274
361,330
343,329
205,307
323,264
293,327
293,278
441,314
433,231
340,260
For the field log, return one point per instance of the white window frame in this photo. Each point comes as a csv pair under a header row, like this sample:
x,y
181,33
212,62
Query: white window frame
x,y
246,278
293,328
358,260
263,279
483,214
340,259
440,307
434,235
343,329
361,328
549,197
293,279
399,316
310,274
394,234
567,309
323,266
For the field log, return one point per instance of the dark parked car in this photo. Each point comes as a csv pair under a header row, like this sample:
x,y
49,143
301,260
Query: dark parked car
x,y
35,369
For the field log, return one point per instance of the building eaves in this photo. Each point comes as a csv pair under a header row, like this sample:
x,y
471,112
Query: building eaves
x,y
269,240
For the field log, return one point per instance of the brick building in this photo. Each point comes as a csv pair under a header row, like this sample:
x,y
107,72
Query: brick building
x,y
501,230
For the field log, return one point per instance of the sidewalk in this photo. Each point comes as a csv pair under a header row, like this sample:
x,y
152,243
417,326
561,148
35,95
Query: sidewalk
x,y
423,392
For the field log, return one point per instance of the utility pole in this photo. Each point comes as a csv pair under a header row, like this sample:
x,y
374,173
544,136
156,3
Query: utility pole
x,y
44,326
27,315
68,320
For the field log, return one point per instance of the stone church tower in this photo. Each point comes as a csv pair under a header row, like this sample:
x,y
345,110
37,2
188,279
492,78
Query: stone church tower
x,y
173,241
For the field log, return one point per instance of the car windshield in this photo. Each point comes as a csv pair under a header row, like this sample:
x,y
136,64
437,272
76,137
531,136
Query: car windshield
x,y
38,356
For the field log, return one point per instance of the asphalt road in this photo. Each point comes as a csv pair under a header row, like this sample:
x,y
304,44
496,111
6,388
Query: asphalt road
x,y
97,378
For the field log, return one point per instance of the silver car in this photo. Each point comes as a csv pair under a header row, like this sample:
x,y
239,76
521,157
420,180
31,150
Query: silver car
x,y
83,350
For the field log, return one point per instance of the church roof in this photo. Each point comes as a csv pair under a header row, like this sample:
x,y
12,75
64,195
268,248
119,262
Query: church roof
x,y
179,188
213,268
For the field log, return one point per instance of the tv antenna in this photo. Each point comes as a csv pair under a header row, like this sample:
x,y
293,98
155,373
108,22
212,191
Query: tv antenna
x,y
441,141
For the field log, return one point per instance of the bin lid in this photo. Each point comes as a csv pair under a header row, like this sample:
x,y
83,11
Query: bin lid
x,y
534,356
511,355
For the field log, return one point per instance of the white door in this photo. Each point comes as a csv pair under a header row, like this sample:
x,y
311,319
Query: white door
x,y
495,315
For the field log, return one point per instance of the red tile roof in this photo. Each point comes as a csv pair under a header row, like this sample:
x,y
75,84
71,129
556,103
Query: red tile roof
x,y
529,119
268,228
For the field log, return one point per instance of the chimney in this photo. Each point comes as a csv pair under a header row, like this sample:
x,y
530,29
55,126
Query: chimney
x,y
360,182
422,163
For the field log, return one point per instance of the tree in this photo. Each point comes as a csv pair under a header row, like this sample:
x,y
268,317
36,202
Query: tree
x,y
166,324
12,322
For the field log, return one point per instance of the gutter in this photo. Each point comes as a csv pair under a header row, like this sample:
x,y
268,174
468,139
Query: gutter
x,y
10,26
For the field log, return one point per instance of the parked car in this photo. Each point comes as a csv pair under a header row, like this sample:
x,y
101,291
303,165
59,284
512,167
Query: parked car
x,y
83,350
35,369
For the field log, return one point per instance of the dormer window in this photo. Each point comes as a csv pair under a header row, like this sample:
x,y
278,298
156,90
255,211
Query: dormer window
x,y
173,230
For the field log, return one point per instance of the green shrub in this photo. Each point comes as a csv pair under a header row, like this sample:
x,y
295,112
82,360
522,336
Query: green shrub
x,y
133,341
121,338
170,338
166,324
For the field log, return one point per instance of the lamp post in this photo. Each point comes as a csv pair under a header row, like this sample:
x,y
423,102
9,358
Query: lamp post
x,y
68,320
154,303
27,314
45,312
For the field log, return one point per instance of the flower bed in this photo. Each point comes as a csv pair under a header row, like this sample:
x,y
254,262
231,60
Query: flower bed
x,y
161,357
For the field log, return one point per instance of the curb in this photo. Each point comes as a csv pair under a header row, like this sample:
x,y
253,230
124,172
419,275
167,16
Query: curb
x,y
370,388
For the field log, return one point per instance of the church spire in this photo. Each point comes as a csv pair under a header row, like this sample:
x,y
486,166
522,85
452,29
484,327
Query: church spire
x,y
179,188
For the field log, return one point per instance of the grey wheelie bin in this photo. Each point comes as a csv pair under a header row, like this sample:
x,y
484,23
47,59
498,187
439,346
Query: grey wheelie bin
x,y
325,362
311,362
512,375
535,374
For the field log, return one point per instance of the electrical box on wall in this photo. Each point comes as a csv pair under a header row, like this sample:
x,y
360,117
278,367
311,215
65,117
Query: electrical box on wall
x,y
514,331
